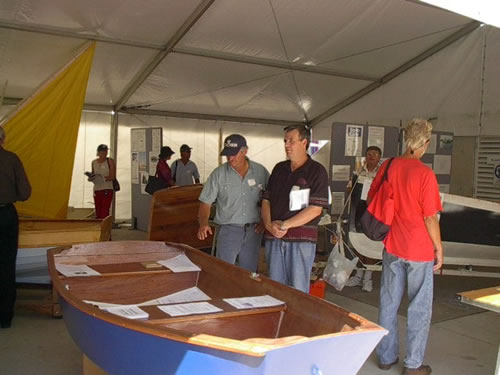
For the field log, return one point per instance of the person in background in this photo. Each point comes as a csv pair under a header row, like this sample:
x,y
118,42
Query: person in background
x,y
185,171
162,169
235,187
103,174
367,172
413,250
14,186
291,208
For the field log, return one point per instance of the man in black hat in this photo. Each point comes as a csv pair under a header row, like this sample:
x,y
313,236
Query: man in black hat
x,y
235,188
14,186
185,171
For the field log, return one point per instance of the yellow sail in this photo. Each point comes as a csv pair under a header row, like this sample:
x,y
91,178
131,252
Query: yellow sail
x,y
43,131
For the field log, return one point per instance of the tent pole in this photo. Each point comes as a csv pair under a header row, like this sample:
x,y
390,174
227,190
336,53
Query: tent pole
x,y
114,153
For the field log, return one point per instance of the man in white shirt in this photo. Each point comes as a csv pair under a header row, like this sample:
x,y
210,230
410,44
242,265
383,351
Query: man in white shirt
x,y
185,171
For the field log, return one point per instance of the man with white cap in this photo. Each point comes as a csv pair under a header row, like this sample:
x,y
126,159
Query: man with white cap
x,y
235,187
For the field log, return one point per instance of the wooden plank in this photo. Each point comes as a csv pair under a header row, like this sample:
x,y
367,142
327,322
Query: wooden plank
x,y
487,298
157,316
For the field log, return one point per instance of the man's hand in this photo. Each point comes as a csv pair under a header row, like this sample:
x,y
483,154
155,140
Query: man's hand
x,y
204,231
438,262
275,229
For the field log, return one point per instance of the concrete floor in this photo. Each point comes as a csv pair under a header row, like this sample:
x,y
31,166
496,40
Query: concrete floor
x,y
37,344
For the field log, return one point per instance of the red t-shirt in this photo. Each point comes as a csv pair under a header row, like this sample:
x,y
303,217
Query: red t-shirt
x,y
416,195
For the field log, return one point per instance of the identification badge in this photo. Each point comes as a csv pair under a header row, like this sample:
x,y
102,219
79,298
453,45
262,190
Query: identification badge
x,y
251,182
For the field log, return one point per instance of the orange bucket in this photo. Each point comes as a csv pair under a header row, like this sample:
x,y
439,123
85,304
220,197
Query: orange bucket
x,y
318,288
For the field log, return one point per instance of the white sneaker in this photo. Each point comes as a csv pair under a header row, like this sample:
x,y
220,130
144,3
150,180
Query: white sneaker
x,y
367,286
354,281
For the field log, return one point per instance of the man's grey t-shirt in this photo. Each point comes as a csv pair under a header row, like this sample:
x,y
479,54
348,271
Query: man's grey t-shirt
x,y
184,174
236,198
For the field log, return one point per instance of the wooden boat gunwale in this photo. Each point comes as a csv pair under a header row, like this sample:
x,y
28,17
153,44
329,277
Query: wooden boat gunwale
x,y
205,340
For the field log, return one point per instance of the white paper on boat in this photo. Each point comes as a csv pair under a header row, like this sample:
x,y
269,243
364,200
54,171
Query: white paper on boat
x,y
189,309
187,295
103,305
76,270
128,311
180,263
253,302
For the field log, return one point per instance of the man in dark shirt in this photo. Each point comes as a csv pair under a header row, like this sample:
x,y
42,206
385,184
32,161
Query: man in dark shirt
x,y
14,186
291,208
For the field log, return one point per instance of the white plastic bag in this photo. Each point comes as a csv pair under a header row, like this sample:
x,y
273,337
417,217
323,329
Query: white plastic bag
x,y
338,269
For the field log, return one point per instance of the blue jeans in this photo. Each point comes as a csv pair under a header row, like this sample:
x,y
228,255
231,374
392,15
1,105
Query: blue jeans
x,y
290,263
396,273
239,241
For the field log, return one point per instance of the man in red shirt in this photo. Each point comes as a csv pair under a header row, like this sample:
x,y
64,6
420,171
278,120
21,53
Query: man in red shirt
x,y
413,250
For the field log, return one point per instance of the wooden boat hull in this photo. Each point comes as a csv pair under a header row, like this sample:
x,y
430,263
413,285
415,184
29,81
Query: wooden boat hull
x,y
469,231
119,350
36,236
308,336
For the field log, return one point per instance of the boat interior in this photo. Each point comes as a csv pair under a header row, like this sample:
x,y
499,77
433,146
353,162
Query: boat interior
x,y
128,279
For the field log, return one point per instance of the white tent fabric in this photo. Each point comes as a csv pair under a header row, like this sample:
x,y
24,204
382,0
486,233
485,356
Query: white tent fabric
x,y
196,66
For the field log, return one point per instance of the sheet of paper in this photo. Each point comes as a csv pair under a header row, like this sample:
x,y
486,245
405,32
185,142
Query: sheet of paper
x,y
180,263
76,270
442,164
189,309
376,137
103,305
341,172
128,311
337,202
299,199
134,167
253,302
138,140
156,141
367,182
153,160
353,140
187,295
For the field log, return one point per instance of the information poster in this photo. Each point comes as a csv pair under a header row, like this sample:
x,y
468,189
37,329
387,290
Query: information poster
x,y
442,164
341,172
432,146
144,182
142,162
445,142
376,137
337,202
134,166
156,141
353,140
138,140
153,160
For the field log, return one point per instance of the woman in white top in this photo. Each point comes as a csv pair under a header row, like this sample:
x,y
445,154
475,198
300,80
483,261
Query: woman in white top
x,y
103,174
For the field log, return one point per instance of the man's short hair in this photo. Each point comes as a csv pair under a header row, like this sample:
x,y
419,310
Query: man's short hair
x,y
2,133
417,133
304,132
374,148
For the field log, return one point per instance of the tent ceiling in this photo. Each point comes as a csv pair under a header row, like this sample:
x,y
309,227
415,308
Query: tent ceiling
x,y
264,59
